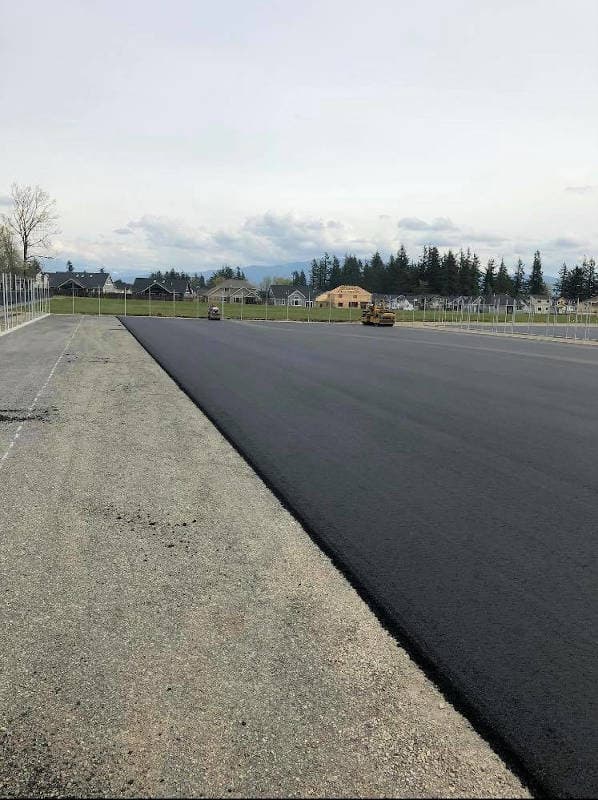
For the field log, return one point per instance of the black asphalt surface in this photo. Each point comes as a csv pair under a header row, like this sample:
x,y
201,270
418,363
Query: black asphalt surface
x,y
454,479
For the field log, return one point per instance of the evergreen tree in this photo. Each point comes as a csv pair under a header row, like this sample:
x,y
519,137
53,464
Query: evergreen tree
x,y
366,276
450,276
69,266
519,281
222,274
561,286
324,272
377,273
465,273
576,283
475,275
404,279
313,275
335,277
504,282
433,271
489,278
590,268
351,271
536,283
302,279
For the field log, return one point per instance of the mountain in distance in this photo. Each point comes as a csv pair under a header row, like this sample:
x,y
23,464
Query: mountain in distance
x,y
256,272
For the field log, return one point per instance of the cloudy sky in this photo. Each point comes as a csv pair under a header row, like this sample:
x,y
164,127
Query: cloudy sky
x,y
191,134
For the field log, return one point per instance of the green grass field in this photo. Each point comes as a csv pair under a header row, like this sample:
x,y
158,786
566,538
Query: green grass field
x,y
191,308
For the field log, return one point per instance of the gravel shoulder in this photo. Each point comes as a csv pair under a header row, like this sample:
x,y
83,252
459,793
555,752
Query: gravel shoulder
x,y
168,629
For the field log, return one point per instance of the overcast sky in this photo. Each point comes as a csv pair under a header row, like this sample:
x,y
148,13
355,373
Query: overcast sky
x,y
192,134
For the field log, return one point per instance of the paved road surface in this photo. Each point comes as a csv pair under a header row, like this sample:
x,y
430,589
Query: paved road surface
x,y
167,629
455,480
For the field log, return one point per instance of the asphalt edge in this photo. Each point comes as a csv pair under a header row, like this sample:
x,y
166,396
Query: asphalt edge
x,y
501,746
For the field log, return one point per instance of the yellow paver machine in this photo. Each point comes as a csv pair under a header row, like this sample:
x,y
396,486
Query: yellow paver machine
x,y
374,314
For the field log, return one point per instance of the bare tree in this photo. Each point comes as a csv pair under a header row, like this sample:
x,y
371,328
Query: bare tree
x,y
10,258
33,218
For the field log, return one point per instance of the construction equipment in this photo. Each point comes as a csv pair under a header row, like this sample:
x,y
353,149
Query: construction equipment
x,y
214,313
374,314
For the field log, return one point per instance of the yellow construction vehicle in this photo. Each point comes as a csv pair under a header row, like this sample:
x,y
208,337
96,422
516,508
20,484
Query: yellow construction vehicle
x,y
374,314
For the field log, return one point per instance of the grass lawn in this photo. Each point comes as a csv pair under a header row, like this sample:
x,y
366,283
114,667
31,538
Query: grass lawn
x,y
191,308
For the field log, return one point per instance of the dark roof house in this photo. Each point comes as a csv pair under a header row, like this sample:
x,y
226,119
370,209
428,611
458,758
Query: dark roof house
x,y
166,287
80,282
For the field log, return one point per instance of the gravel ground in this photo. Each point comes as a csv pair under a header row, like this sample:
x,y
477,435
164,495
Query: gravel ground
x,y
168,629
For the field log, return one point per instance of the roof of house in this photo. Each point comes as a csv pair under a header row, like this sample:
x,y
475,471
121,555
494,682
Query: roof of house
x,y
347,288
280,291
232,284
169,285
86,280
498,299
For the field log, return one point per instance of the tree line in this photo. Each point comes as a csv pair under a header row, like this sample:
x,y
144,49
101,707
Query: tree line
x,y
578,283
197,280
446,274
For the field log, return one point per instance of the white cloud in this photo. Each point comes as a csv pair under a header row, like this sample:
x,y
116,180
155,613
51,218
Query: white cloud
x,y
565,243
416,224
153,241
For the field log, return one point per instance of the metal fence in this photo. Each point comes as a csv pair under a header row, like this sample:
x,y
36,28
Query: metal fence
x,y
22,300
578,324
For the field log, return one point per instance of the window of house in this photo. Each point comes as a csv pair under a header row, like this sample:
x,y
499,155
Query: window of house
x,y
340,305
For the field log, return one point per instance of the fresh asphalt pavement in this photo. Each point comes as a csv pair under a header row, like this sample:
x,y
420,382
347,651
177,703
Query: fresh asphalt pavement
x,y
167,629
454,480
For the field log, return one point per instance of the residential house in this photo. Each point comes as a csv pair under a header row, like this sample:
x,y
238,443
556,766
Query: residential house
x,y
233,291
122,287
82,284
539,304
589,306
164,289
282,295
395,302
344,297
497,303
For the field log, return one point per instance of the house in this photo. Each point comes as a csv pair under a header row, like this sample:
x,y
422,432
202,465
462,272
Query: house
x,y
233,291
164,289
395,302
589,306
344,297
497,303
539,304
81,284
283,295
122,287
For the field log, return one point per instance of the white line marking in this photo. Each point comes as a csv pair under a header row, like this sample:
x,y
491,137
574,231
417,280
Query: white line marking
x,y
31,408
